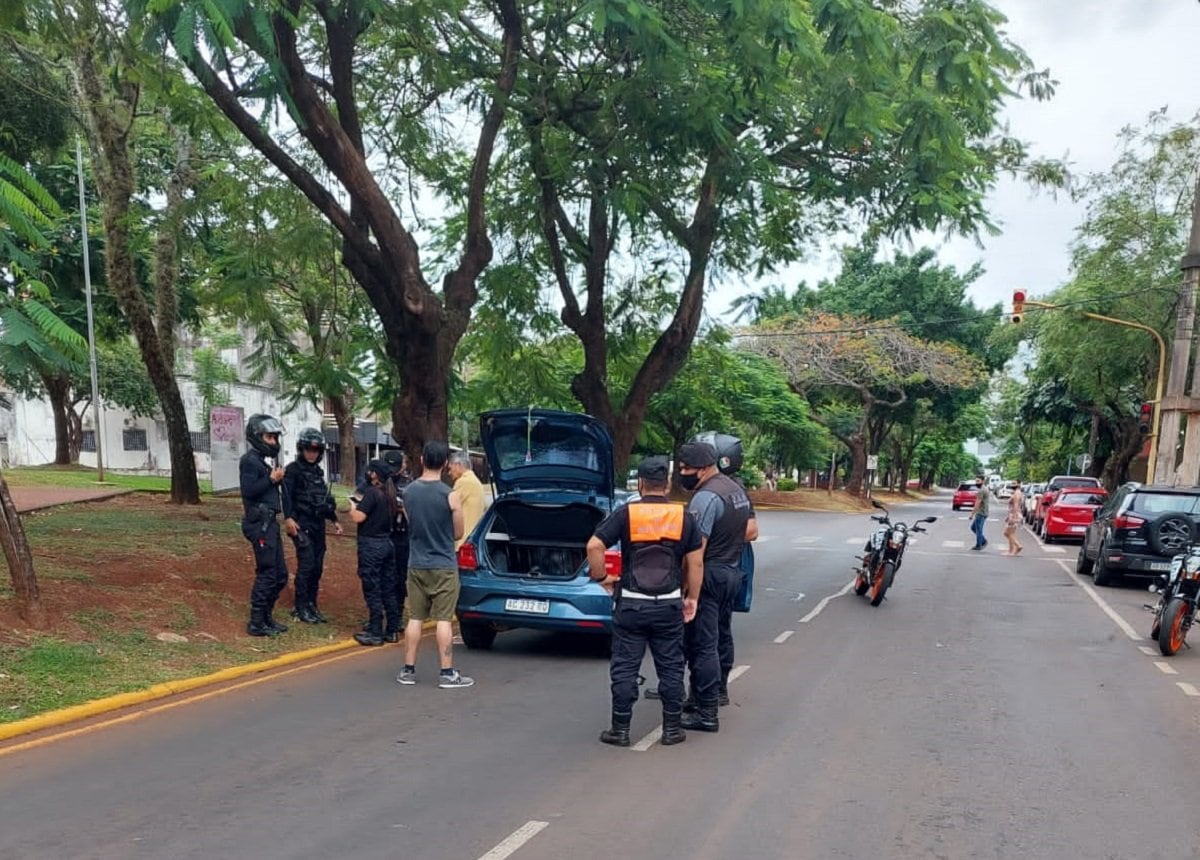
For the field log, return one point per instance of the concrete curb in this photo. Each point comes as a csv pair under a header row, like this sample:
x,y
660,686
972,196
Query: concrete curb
x,y
53,719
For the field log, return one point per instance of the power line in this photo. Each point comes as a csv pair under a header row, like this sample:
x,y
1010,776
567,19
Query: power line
x,y
985,315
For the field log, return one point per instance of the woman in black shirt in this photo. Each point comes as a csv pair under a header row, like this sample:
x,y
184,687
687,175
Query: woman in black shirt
x,y
376,512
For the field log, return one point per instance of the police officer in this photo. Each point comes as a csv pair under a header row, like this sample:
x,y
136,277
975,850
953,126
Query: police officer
x,y
262,500
375,510
398,463
656,592
307,504
722,511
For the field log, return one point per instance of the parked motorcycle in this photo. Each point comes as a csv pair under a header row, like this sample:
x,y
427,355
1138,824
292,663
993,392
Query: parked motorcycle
x,y
883,554
1178,592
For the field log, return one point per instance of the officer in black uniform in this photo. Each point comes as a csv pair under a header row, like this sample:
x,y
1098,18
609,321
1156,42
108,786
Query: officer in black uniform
x,y
656,592
722,511
307,505
262,500
398,463
375,510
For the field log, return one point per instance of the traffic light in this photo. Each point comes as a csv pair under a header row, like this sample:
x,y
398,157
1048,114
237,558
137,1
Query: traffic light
x,y
1018,309
1146,418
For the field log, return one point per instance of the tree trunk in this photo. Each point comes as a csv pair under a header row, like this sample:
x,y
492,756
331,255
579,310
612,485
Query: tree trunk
x,y
20,561
108,137
858,463
58,389
75,427
347,462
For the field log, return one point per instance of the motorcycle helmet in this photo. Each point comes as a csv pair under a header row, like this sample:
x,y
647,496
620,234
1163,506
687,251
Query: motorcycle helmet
x,y
310,439
259,425
728,448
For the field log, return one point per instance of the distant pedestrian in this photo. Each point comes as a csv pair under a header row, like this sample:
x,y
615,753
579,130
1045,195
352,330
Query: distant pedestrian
x,y
979,513
435,522
262,501
375,511
769,478
470,492
656,591
1012,522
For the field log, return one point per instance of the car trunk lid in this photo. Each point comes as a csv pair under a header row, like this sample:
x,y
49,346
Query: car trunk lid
x,y
541,449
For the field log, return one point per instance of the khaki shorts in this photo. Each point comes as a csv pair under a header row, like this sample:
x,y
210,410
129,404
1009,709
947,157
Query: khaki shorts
x,y
432,593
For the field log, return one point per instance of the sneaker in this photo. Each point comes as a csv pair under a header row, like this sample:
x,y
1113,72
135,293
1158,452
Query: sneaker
x,y
407,677
449,682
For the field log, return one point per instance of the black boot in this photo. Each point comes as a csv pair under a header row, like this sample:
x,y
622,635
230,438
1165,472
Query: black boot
x,y
689,703
372,634
392,636
304,612
723,690
258,624
317,614
704,719
618,735
673,732
275,625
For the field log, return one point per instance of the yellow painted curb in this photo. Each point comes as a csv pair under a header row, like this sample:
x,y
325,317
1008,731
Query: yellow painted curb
x,y
96,707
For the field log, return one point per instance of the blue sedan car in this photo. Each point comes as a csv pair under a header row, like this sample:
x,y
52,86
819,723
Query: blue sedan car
x,y
525,563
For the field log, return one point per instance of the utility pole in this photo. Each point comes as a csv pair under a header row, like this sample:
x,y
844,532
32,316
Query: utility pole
x,y
1189,469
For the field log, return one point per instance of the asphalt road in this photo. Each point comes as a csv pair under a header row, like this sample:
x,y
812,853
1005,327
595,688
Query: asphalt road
x,y
990,707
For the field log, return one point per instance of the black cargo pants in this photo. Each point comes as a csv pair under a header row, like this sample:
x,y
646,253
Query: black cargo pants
x,y
638,624
310,561
702,636
270,569
377,571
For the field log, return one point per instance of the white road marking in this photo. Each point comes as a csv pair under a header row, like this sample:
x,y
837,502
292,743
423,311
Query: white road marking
x,y
656,735
1166,668
1188,689
856,540
1148,651
805,540
798,597
1125,626
784,636
820,607
764,538
954,544
519,837
1055,549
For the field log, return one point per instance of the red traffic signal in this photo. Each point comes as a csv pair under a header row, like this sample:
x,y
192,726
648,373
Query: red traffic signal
x,y
1146,418
1018,305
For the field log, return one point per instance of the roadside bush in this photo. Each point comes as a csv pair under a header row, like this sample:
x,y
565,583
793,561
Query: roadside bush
x,y
785,485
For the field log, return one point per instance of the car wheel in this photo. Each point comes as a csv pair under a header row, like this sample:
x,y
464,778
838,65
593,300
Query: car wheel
x,y
1170,534
1082,564
1102,574
476,636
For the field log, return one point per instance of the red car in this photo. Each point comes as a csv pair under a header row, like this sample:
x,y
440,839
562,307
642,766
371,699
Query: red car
x,y
1071,512
1057,483
964,496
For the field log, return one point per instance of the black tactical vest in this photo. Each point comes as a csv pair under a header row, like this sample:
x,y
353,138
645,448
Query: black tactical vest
x,y
729,532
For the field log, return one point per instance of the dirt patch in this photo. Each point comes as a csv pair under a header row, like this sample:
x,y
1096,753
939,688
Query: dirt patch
x,y
33,498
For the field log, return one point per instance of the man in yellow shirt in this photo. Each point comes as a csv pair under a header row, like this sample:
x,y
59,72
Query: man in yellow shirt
x,y
470,492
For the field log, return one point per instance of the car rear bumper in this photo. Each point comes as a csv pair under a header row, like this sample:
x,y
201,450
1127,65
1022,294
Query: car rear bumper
x,y
577,606
1137,564
1065,531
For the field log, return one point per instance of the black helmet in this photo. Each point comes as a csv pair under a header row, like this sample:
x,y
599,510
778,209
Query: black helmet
x,y
256,427
310,439
728,448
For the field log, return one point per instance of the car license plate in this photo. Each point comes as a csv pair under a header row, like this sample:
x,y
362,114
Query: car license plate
x,y
523,604
1160,565
1078,528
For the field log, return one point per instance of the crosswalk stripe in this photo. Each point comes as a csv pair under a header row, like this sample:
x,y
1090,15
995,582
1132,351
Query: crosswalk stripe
x,y
1057,549
954,544
805,540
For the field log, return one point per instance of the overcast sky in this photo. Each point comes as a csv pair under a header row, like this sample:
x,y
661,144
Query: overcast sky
x,y
1115,61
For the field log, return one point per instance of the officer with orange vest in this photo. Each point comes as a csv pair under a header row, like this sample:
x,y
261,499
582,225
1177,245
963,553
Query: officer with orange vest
x,y
662,571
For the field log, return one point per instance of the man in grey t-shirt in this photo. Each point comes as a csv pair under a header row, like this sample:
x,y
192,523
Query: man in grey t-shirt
x,y
435,522
979,513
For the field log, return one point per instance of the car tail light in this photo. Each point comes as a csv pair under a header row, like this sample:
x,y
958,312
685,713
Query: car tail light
x,y
467,560
612,562
1128,521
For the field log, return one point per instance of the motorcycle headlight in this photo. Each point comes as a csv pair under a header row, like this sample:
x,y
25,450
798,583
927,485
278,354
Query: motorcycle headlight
x,y
897,541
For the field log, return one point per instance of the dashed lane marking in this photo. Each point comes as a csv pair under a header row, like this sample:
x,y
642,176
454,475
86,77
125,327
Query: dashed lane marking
x,y
1058,550
784,636
1125,626
1147,650
1166,668
805,540
1188,689
954,544
856,540
516,839
820,607
656,735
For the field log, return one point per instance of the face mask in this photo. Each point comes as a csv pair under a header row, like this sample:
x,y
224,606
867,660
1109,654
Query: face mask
x,y
689,482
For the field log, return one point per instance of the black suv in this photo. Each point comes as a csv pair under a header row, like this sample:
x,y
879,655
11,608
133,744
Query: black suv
x,y
1137,531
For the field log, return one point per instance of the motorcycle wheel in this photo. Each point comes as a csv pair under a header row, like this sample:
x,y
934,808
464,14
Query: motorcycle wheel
x,y
1171,632
861,584
882,583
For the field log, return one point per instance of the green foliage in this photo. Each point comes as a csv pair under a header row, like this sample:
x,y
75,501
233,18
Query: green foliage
x,y
785,485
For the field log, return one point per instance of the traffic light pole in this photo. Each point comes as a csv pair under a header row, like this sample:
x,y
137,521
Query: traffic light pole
x,y
1152,457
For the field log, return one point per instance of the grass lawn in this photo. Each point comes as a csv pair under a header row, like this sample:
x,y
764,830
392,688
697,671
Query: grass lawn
x,y
83,476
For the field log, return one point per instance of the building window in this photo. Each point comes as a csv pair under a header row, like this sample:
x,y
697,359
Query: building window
x,y
89,441
134,439
200,442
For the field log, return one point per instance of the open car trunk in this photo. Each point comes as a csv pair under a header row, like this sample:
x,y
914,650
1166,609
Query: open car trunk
x,y
540,541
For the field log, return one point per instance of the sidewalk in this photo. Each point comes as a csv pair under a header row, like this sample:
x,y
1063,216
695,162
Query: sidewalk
x,y
29,499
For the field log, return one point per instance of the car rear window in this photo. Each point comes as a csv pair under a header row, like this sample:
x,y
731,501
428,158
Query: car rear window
x,y
965,487
1161,503
1059,483
1077,498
